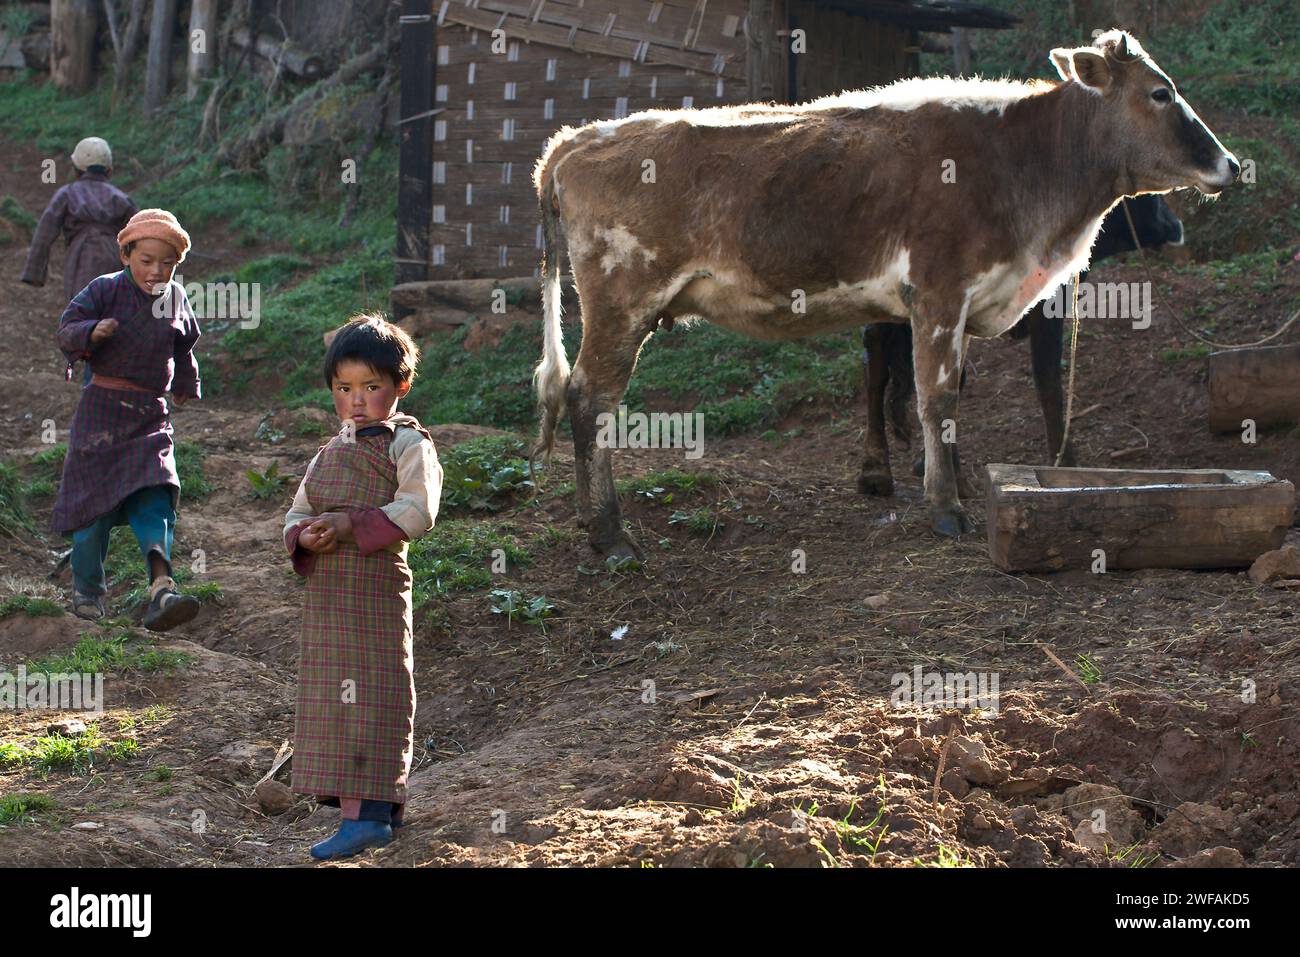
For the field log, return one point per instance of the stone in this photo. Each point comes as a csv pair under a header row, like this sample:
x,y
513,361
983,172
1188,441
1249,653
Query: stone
x,y
274,797
1281,563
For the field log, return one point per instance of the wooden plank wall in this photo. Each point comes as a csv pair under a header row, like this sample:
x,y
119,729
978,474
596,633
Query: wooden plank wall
x,y
602,59
846,52
499,108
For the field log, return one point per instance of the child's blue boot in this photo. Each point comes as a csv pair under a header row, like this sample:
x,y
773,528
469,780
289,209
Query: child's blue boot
x,y
352,838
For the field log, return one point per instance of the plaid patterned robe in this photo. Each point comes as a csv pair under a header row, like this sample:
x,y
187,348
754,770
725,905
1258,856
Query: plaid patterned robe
x,y
90,212
121,441
355,724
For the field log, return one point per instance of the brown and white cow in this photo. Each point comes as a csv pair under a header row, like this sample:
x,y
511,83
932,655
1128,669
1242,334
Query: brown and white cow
x,y
954,205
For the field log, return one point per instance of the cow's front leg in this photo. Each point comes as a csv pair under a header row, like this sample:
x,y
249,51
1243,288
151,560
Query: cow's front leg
x,y
964,487
938,337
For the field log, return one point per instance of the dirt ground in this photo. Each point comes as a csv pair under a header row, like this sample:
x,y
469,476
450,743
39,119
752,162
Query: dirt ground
x,y
744,716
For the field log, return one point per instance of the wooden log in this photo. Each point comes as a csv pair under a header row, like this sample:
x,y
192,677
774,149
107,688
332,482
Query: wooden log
x,y
1262,384
475,296
1048,519
202,45
72,44
298,62
157,73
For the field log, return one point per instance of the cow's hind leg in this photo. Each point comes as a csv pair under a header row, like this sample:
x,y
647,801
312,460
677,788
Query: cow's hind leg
x,y
610,344
875,476
938,351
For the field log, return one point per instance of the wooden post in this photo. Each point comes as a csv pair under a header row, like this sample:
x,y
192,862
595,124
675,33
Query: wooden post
x,y
961,51
415,157
203,33
72,43
158,65
764,56
1261,384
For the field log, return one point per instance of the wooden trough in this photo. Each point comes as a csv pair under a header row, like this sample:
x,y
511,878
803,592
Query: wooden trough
x,y
1048,519
1262,384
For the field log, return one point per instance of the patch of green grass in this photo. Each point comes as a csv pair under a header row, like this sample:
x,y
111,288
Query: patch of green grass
x,y
24,809
208,591
1133,858
484,474
189,466
32,607
950,858
268,483
287,340
1198,351
700,521
661,487
530,609
119,653
13,504
16,213
78,753
458,554
739,384
1089,672
860,835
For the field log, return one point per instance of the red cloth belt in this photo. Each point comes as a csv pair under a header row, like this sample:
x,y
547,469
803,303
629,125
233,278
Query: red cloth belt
x,y
114,382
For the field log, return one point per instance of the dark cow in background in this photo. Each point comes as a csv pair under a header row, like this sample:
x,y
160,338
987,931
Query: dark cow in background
x,y
887,352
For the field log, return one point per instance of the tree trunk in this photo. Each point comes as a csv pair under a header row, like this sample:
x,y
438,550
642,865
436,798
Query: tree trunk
x,y
72,44
202,45
158,66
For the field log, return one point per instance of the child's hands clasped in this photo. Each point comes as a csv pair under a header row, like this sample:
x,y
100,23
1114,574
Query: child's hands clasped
x,y
323,533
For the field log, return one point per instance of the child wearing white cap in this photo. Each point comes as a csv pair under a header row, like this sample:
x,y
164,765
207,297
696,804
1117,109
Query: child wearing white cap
x,y
90,212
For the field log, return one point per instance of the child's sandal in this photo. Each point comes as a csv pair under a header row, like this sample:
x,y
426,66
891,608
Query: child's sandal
x,y
90,607
169,608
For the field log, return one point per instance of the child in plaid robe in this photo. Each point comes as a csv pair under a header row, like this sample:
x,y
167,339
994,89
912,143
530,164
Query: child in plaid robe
x,y
367,493
90,212
137,331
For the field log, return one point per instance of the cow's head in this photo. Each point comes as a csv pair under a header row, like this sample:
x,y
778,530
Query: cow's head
x,y
1160,142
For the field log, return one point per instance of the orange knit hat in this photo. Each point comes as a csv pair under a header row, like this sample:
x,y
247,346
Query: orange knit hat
x,y
156,224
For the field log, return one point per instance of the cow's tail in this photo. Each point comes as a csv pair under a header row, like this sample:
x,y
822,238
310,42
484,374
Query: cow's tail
x,y
551,377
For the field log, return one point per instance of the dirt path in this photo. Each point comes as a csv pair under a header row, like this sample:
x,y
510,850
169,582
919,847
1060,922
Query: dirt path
x,y
744,717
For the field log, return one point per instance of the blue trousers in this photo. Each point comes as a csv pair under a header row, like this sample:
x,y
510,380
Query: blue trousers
x,y
149,513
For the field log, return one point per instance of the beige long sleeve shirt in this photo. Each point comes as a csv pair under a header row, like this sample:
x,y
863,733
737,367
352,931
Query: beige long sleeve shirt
x,y
419,484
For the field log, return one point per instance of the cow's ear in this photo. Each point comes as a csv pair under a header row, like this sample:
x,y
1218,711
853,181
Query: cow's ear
x,y
1091,69
1061,60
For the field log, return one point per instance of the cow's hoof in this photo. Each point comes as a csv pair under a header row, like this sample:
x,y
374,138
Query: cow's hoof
x,y
875,483
951,522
